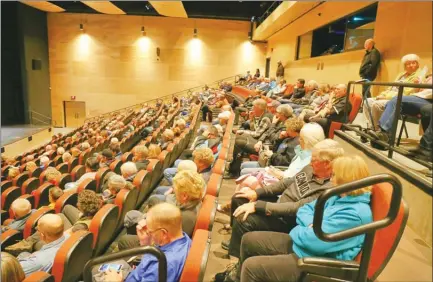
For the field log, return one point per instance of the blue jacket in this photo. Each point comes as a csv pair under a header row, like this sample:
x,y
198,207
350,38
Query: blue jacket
x,y
175,252
341,213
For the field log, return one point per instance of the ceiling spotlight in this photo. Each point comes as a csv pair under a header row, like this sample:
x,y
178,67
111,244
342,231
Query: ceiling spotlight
x,y
143,32
81,27
195,33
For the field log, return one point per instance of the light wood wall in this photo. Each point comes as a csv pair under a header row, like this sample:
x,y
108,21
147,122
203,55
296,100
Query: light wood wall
x,y
401,28
111,65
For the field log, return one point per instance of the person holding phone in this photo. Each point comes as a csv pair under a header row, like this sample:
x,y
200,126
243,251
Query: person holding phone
x,y
163,229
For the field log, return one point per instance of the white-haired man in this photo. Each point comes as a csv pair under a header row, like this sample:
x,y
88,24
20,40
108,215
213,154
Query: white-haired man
x,y
44,162
128,171
245,140
274,207
334,110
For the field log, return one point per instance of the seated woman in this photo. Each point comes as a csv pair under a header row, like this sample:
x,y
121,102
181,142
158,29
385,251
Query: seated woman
x,y
115,183
411,74
188,190
53,195
272,256
30,166
11,270
13,172
154,152
162,191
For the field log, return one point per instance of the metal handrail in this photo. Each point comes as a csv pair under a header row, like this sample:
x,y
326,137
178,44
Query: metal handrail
x,y
391,144
48,120
34,112
268,12
188,91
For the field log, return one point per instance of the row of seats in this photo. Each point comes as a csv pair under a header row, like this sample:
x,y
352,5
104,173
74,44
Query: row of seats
x,y
69,263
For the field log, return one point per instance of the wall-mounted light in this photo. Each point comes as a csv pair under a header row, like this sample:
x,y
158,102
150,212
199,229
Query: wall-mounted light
x,y
195,33
143,31
81,27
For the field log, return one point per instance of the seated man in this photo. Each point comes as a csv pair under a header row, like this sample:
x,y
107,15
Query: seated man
x,y
271,256
188,192
298,92
140,157
246,139
92,166
73,218
311,90
264,210
163,227
334,110
22,210
245,107
166,138
44,162
115,148
207,138
106,158
50,230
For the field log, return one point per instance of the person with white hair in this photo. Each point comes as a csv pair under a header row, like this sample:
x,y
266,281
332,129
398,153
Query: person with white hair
x,y
128,171
223,119
245,140
166,137
311,91
66,157
44,162
274,207
335,109
30,158
22,209
114,140
115,183
60,151
411,74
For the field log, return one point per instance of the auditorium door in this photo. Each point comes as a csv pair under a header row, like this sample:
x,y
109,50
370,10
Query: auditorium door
x,y
75,113
268,66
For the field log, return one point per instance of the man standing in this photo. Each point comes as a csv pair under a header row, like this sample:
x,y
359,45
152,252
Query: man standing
x,y
280,71
370,65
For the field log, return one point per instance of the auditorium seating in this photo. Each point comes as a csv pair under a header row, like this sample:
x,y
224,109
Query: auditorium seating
x,y
355,100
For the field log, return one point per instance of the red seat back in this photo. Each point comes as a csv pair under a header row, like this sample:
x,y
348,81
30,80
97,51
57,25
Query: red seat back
x,y
63,179
125,200
68,198
196,260
42,195
87,184
63,168
5,184
30,185
214,184
99,177
206,213
219,167
115,166
32,221
10,195
355,100
70,259
77,172
386,239
105,219
39,276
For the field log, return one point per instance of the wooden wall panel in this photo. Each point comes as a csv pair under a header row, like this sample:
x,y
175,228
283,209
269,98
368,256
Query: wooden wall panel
x,y
110,65
401,28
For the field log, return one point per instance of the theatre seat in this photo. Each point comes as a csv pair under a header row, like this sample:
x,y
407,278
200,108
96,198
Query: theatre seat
x,y
87,184
32,222
142,181
355,100
99,177
127,157
72,256
219,167
105,219
5,184
155,168
58,160
30,185
126,201
42,195
206,213
73,162
62,167
68,198
214,184
39,276
384,203
165,155
10,195
35,172
63,179
77,172
115,166
196,260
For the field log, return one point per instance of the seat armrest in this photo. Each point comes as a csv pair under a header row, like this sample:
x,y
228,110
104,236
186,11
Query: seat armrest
x,y
327,267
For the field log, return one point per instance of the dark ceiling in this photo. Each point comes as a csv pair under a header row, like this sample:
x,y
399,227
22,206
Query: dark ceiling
x,y
235,10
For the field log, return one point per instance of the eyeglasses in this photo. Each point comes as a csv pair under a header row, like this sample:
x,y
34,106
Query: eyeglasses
x,y
150,232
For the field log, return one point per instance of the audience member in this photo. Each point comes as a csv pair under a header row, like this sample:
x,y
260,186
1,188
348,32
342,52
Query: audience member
x,y
115,184
370,65
140,157
22,209
11,270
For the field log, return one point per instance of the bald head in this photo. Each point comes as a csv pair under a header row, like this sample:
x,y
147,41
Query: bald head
x,y
50,226
21,207
165,216
369,44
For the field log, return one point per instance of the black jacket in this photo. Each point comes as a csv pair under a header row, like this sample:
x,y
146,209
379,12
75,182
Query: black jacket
x,y
337,111
272,134
370,64
298,93
285,152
